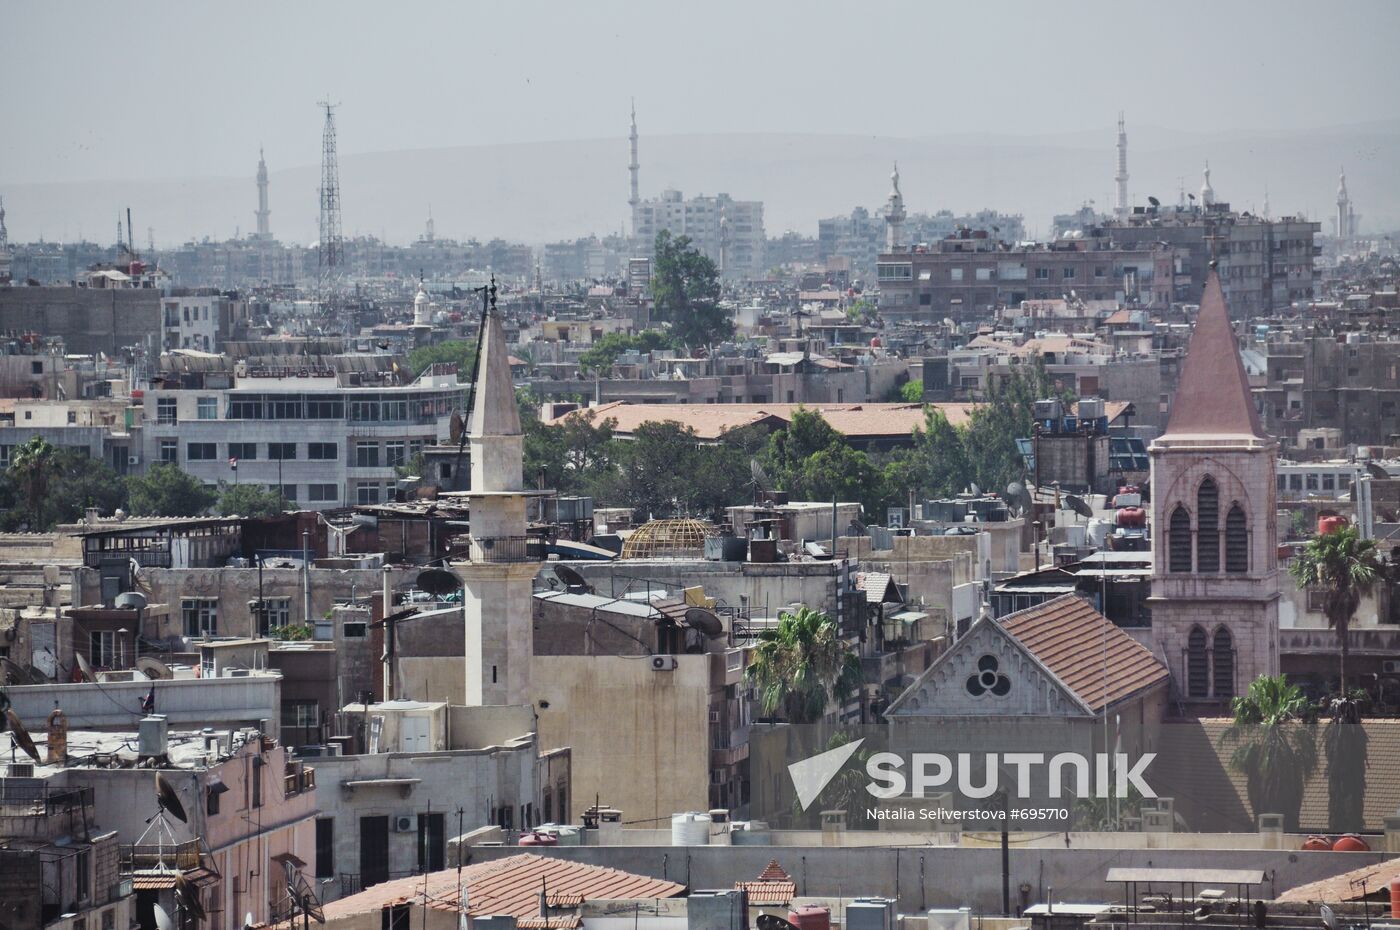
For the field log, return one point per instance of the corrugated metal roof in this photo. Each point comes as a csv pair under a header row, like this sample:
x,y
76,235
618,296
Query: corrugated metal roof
x,y
1085,650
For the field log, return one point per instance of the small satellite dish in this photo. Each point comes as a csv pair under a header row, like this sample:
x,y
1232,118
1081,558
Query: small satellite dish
x,y
19,735
438,581
1017,498
698,618
760,477
1154,201
84,669
1079,505
570,578
131,600
1377,471
169,800
163,921
16,674
1329,919
976,491
247,920
773,922
154,669
187,893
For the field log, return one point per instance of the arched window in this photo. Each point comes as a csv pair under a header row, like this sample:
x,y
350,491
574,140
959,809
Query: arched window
x,y
1197,671
1179,541
1236,541
1223,663
1208,527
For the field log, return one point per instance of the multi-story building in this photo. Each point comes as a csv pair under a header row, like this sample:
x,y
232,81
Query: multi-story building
x,y
1350,384
201,321
326,438
971,273
860,236
729,231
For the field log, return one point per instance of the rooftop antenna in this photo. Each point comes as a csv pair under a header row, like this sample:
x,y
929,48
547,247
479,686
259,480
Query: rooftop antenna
x,y
330,255
130,240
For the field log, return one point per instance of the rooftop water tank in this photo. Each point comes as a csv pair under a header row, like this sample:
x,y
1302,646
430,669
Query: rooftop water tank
x,y
690,829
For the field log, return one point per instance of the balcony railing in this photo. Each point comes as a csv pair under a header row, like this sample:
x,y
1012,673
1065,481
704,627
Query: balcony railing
x,y
298,780
184,856
505,549
353,882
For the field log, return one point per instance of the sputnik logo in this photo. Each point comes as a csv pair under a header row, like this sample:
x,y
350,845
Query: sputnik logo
x,y
811,776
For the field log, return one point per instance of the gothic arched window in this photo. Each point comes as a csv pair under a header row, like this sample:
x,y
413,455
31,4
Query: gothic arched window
x,y
1179,541
1208,527
1223,663
1236,541
1197,670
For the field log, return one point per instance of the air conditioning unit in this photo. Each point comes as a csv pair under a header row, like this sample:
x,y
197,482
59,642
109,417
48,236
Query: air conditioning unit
x,y
403,823
663,663
133,460
1391,666
21,769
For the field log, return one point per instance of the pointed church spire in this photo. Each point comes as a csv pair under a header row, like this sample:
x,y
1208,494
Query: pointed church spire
x,y
494,412
1213,398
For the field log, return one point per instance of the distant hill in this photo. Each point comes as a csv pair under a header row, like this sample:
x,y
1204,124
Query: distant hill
x,y
544,192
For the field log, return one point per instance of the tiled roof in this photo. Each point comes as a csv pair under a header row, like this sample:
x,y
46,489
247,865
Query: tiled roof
x,y
1214,398
508,886
768,893
876,586
710,421
1085,650
773,872
1347,886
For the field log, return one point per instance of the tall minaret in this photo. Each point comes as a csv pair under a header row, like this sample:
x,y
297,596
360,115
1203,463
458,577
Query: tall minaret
x,y
1207,192
1266,203
636,199
894,214
497,579
1121,178
264,228
1344,226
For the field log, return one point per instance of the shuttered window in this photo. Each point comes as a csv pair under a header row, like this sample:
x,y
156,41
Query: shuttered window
x,y
1208,527
1179,541
1236,541
1223,660
1197,673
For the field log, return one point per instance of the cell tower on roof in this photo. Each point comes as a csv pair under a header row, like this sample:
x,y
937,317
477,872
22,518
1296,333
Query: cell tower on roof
x,y
331,254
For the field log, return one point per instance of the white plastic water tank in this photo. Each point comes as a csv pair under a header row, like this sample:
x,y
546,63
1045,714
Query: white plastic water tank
x,y
1098,532
690,829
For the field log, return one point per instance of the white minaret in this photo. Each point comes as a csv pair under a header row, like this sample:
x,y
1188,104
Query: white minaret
x,y
4,245
1344,225
1266,203
636,199
497,580
429,229
894,214
263,214
422,308
1207,192
1121,178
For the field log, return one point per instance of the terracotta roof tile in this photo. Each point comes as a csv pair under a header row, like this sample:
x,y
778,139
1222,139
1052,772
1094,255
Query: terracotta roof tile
x,y
773,872
1214,398
1341,888
1095,659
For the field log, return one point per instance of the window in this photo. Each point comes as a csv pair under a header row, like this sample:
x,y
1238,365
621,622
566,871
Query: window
x,y
276,613
322,451
1042,274
285,451
354,629
364,411
1295,482
170,451
1223,664
284,408
1329,481
83,870
301,715
166,410
396,917
201,451
1236,541
243,451
1067,274
1197,674
109,919
201,615
430,843
212,793
396,410
325,847
325,409
894,271
1311,480
322,493
208,408
984,274
102,648
1179,541
366,455
394,453
36,368
245,408
256,778
367,494
415,446
1208,527
955,274
5,453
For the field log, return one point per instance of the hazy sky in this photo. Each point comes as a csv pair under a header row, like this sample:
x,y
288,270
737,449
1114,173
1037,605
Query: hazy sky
x,y
152,90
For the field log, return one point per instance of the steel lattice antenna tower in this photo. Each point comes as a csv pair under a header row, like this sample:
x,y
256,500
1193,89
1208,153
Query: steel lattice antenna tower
x,y
332,254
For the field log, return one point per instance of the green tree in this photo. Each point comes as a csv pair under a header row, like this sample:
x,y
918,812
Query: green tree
x,y
250,500
1006,415
166,491
31,470
685,293
811,461
802,666
651,475
47,484
601,356
936,465
459,352
1342,567
912,392
1273,747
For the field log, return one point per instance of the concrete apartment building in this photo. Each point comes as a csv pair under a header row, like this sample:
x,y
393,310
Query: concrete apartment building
x,y
1349,382
327,438
88,319
729,231
201,321
969,275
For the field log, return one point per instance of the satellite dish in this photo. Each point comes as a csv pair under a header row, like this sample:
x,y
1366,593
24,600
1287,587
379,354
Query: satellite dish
x,y
698,618
976,491
773,922
454,428
760,477
16,674
84,669
438,581
154,669
187,893
19,735
1377,471
1154,201
163,921
1017,498
1329,919
247,920
570,578
169,800
131,600
1079,505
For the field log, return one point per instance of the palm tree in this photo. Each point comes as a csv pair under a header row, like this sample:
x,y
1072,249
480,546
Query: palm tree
x,y
1342,567
31,467
801,665
1274,748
